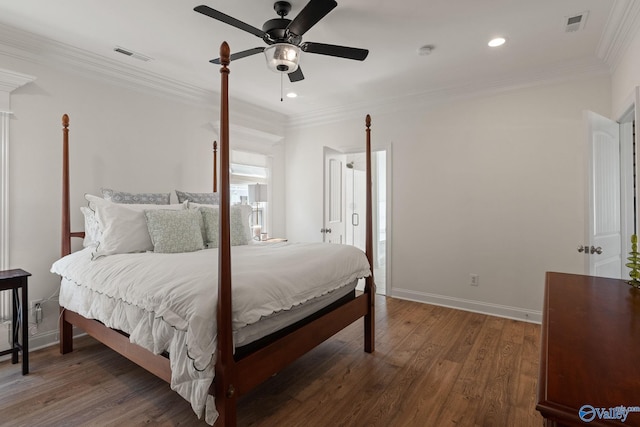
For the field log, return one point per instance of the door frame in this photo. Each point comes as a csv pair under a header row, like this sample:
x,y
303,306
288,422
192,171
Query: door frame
x,y
629,199
388,148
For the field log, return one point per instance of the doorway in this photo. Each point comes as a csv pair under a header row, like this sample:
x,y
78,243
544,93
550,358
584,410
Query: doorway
x,y
346,189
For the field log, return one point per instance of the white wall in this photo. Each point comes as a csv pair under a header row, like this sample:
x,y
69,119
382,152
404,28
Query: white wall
x,y
493,185
119,138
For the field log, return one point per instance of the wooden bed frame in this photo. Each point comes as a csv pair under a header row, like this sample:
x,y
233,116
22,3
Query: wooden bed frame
x,y
233,378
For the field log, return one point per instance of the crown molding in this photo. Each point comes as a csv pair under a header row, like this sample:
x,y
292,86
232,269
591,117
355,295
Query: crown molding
x,y
560,72
30,47
621,27
11,80
250,139
26,46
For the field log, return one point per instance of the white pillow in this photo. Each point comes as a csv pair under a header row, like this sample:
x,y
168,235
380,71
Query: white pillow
x,y
92,232
123,226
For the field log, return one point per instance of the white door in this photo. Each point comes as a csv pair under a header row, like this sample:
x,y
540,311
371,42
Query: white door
x,y
603,244
333,229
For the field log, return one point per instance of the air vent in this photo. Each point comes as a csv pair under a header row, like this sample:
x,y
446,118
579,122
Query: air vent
x,y
131,53
575,22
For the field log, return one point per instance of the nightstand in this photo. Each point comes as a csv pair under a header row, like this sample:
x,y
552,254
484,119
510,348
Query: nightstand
x,y
14,280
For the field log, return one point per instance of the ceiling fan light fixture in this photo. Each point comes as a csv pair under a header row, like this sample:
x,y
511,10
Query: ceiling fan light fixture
x,y
282,57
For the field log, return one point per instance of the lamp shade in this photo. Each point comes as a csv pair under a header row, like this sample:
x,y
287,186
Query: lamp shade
x,y
282,57
257,193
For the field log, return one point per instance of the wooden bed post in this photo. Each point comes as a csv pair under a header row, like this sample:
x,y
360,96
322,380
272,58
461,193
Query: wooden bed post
x,y
215,166
225,369
370,285
66,328
66,218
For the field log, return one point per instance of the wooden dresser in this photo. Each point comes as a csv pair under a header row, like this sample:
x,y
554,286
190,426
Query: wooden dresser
x,y
590,352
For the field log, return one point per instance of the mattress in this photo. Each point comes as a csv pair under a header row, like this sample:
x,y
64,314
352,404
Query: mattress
x,y
166,302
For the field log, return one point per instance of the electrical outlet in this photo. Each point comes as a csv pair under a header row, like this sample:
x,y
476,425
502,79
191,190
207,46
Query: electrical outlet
x,y
36,309
475,279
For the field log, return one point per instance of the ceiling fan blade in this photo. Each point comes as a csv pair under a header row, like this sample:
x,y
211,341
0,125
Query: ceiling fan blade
x,y
206,10
334,50
296,76
309,16
239,55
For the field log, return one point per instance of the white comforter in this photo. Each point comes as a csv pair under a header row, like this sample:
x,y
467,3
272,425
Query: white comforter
x,y
178,295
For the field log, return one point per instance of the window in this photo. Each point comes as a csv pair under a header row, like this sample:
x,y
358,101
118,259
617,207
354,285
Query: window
x,y
247,171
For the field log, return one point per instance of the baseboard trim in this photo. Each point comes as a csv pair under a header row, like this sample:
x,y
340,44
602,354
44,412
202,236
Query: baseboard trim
x,y
44,340
47,339
515,313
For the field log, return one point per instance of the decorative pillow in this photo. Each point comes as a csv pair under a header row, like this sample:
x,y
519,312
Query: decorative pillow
x,y
136,198
239,225
123,226
92,232
204,198
175,231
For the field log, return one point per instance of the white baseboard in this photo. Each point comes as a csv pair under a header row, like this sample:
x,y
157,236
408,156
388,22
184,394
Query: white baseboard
x,y
40,340
44,339
50,338
506,311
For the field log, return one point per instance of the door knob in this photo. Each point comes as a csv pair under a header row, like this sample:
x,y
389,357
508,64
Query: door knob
x,y
325,230
581,248
597,250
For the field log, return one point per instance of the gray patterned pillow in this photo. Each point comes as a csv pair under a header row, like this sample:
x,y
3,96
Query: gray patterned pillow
x,y
238,222
174,231
136,198
204,198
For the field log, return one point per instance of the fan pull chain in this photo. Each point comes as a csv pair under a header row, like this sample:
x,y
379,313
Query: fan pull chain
x,y
281,87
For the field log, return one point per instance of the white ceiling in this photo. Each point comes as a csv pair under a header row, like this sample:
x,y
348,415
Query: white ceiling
x,y
181,42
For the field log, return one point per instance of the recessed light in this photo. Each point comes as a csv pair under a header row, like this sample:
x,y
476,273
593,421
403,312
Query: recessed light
x,y
292,95
498,41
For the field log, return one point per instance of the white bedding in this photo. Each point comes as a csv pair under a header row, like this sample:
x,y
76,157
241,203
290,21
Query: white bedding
x,y
178,294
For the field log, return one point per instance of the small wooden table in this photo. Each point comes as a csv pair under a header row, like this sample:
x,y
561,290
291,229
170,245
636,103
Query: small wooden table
x,y
14,279
590,352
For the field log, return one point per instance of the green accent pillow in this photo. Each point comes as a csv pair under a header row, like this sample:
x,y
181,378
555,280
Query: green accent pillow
x,y
238,222
175,231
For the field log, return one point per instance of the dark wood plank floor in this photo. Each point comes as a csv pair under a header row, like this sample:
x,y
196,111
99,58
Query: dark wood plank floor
x,y
433,366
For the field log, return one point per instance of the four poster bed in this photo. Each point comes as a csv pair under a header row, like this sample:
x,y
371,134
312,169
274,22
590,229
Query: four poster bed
x,y
154,320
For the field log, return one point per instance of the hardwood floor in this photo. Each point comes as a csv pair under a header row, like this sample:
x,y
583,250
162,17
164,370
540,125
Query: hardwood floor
x,y
433,366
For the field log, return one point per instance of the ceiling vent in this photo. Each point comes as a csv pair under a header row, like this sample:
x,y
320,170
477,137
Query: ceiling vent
x,y
131,53
575,23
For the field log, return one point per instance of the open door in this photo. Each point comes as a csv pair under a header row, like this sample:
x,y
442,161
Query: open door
x,y
603,240
333,229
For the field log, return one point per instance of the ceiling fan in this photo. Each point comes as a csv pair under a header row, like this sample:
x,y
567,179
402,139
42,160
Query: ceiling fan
x,y
284,37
